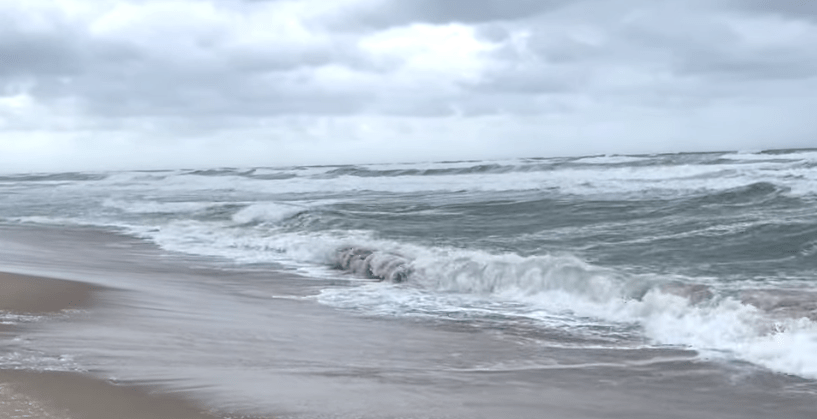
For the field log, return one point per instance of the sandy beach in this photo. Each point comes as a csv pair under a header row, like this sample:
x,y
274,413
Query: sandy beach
x,y
65,395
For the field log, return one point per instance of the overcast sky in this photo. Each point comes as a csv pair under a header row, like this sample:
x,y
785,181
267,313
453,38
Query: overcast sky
x,y
120,84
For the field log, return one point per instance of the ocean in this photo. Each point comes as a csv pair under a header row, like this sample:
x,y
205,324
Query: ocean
x,y
668,285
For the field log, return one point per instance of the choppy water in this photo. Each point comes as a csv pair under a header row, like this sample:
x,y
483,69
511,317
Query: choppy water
x,y
714,253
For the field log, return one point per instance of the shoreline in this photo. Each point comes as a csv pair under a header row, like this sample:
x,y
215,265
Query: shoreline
x,y
70,395
302,359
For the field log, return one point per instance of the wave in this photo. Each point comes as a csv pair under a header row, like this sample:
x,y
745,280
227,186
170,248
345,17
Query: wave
x,y
372,264
724,211
154,207
669,311
254,173
487,168
268,212
55,177
798,152
749,194
613,159
621,182
555,290
605,177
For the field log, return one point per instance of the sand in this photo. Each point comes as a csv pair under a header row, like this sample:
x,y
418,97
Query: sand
x,y
31,294
65,395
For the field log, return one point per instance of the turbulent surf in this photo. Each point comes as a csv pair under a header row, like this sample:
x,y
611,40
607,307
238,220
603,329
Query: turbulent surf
x,y
713,252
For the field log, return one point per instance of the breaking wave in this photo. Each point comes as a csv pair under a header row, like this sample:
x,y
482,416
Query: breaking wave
x,y
668,311
372,264
502,239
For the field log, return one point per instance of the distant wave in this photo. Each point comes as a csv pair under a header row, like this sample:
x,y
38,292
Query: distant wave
x,y
654,176
54,177
753,193
649,247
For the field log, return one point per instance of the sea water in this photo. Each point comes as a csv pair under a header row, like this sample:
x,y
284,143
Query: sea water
x,y
394,289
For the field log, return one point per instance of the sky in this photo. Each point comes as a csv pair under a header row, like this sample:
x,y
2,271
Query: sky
x,y
143,84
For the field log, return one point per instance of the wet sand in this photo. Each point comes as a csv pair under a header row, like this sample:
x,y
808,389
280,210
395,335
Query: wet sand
x,y
65,395
36,295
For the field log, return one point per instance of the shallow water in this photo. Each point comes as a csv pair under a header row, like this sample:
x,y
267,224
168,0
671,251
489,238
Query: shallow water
x,y
611,286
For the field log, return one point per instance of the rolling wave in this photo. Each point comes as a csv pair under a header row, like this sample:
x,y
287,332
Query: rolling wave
x,y
694,249
760,327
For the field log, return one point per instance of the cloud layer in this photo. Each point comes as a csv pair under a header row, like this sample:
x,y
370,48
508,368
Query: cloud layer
x,y
143,83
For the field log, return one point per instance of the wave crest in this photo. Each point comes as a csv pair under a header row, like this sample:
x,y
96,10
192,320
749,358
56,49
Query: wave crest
x,y
373,265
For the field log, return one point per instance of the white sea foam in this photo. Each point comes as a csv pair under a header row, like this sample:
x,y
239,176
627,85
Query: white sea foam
x,y
560,291
675,180
424,166
555,284
668,313
27,359
57,220
661,180
549,289
611,159
266,212
806,155
147,207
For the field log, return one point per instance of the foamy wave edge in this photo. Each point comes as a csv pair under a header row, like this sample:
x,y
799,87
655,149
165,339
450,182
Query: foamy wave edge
x,y
670,311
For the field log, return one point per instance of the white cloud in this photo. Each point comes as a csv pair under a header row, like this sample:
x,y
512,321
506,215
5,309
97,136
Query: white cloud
x,y
129,83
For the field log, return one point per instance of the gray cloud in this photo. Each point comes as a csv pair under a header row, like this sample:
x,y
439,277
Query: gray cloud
x,y
793,8
38,55
208,73
199,68
54,51
396,12
702,46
